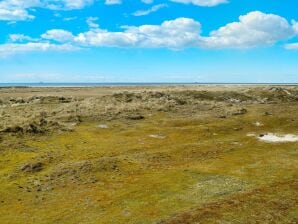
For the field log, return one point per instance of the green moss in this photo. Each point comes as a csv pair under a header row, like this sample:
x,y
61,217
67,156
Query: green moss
x,y
122,175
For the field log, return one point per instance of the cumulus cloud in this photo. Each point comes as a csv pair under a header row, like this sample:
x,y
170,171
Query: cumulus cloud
x,y
154,8
13,10
14,15
252,30
178,33
58,35
206,3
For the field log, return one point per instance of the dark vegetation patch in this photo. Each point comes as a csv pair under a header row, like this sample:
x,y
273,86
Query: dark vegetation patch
x,y
258,202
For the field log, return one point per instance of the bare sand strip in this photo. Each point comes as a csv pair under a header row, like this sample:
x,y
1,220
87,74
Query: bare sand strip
x,y
270,137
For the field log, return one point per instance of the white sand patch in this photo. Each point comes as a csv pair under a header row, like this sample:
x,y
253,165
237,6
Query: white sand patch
x,y
103,126
270,137
157,136
258,124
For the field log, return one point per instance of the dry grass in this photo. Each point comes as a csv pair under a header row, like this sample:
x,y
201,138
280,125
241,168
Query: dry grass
x,y
204,168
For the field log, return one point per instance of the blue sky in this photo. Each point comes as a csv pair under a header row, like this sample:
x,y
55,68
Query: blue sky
x,y
148,41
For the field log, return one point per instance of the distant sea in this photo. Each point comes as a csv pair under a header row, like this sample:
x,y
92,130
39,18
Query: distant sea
x,y
6,85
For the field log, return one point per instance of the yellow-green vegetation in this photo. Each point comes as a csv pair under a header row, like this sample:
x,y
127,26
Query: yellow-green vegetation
x,y
171,167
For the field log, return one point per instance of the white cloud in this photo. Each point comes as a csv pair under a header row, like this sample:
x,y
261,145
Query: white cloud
x,y
70,18
147,1
253,29
77,4
14,15
154,8
295,26
20,38
293,46
206,3
15,48
178,33
13,10
91,21
66,4
113,2
58,35
17,10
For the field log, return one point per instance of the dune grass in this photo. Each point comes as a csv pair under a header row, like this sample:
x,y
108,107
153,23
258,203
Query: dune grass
x,y
203,170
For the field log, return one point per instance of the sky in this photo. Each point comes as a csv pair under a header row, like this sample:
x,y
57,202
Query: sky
x,y
100,41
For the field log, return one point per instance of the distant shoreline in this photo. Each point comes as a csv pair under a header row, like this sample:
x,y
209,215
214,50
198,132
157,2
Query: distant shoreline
x,y
82,85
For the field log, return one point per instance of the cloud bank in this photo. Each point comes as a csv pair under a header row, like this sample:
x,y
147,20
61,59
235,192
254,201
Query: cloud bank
x,y
252,30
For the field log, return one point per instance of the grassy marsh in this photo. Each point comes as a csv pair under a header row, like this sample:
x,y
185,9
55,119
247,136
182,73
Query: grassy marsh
x,y
184,162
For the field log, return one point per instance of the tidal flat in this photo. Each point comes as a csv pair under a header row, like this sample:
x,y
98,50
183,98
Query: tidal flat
x,y
149,154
